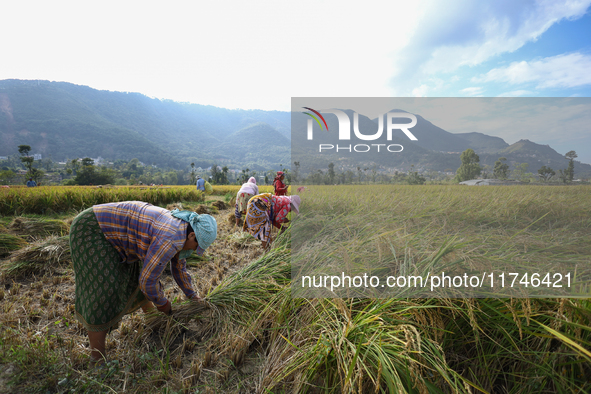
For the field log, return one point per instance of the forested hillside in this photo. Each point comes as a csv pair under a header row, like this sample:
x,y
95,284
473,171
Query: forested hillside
x,y
67,121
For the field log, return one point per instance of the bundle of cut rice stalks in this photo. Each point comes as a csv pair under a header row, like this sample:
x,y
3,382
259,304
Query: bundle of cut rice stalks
x,y
220,205
39,258
35,228
239,298
204,209
176,205
242,239
9,243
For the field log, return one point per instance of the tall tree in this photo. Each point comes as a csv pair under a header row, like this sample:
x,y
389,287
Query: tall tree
x,y
570,170
24,150
500,169
470,167
219,176
546,173
25,158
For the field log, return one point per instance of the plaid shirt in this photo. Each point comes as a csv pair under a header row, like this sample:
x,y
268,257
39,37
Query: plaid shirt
x,y
140,231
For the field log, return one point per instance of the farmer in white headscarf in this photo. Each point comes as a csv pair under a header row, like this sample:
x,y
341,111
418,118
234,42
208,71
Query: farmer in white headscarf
x,y
246,192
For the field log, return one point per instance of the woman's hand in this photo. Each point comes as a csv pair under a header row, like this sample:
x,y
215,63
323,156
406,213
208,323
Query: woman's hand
x,y
196,298
166,308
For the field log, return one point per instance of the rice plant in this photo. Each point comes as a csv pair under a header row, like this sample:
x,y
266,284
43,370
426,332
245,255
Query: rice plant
x,y
57,199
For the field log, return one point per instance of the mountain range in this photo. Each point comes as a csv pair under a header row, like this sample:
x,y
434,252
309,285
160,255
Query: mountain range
x,y
64,121
435,148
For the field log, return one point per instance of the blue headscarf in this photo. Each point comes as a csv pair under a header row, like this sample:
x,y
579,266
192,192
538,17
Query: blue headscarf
x,y
205,227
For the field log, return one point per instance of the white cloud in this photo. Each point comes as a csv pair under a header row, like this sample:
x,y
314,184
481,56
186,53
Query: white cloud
x,y
453,34
562,71
516,93
473,91
420,91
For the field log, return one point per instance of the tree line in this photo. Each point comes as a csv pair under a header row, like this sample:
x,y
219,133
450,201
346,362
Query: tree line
x,y
86,172
471,169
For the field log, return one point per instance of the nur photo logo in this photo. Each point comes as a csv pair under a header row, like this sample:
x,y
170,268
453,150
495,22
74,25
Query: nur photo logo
x,y
344,130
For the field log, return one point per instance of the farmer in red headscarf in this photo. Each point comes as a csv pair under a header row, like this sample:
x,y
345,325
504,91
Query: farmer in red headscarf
x,y
280,187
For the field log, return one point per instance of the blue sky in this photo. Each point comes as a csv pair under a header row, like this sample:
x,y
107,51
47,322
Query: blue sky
x,y
259,54
556,64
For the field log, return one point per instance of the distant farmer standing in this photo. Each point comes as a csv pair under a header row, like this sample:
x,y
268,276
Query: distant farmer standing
x,y
31,183
265,210
279,185
200,183
119,250
248,190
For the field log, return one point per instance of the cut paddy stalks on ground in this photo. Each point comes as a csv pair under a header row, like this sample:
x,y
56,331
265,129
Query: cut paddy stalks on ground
x,y
45,256
243,239
242,295
9,243
36,228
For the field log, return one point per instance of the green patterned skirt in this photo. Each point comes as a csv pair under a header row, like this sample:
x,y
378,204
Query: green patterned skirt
x,y
106,289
